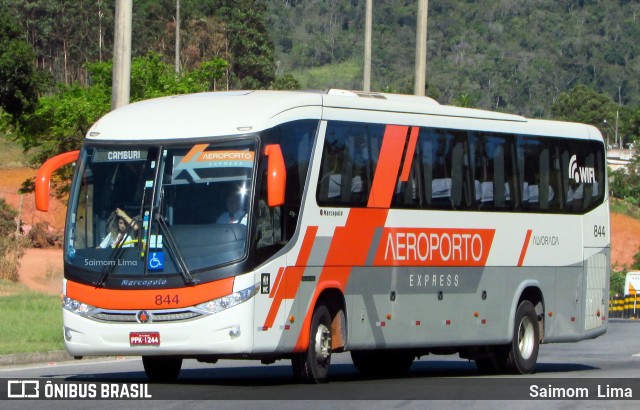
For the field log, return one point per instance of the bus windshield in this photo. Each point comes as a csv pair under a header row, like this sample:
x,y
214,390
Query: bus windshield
x,y
160,210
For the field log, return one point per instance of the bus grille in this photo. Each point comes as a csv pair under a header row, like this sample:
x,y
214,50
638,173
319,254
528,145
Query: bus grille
x,y
130,317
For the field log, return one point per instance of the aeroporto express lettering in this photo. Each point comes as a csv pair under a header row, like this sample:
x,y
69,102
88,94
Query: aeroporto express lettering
x,y
226,156
434,247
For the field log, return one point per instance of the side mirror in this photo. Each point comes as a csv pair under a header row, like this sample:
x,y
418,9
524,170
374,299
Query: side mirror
x,y
276,175
43,177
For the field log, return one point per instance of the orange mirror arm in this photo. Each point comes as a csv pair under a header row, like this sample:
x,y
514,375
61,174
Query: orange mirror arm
x,y
43,177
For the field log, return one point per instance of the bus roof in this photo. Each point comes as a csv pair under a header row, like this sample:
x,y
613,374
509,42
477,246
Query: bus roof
x,y
242,112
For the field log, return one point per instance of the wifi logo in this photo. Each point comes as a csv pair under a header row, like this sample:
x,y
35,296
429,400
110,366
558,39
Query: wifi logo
x,y
573,169
586,175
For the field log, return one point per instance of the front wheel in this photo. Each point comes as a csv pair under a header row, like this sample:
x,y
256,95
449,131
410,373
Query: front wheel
x,y
523,350
162,369
312,366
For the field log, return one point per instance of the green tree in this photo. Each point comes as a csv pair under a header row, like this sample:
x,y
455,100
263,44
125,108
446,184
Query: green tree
x,y
62,120
285,82
585,105
625,183
464,100
616,283
18,83
253,62
211,71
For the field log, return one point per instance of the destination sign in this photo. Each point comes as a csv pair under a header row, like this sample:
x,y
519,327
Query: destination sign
x,y
112,155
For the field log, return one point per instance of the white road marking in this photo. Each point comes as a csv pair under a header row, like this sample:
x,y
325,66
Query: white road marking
x,y
66,363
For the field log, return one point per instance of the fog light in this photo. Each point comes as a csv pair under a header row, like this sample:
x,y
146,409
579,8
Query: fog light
x,y
67,334
234,332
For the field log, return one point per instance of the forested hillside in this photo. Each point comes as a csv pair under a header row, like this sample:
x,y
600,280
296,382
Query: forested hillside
x,y
510,55
507,55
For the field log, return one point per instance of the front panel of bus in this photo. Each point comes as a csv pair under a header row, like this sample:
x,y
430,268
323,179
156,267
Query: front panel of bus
x,y
162,240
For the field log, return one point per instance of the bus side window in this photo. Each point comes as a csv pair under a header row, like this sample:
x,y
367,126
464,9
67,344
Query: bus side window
x,y
587,191
408,194
531,161
493,171
349,157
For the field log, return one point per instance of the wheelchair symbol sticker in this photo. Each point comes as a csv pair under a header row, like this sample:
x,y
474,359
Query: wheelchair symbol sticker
x,y
156,261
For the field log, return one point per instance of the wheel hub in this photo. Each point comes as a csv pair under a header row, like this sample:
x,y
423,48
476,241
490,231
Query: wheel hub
x,y
526,336
323,344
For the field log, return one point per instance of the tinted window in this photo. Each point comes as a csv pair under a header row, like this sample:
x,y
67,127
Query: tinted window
x,y
349,160
467,170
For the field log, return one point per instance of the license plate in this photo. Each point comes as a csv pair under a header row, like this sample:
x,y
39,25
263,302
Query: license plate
x,y
144,338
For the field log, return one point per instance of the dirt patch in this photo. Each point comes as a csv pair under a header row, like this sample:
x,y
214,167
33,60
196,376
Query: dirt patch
x,y
41,270
10,181
625,240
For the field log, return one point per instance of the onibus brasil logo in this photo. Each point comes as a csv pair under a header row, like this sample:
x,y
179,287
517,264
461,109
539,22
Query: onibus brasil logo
x,y
585,175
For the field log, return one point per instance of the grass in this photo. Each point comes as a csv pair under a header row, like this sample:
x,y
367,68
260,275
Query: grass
x,y
344,75
11,155
29,321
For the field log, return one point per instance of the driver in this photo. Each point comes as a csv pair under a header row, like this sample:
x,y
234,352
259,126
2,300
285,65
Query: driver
x,y
117,235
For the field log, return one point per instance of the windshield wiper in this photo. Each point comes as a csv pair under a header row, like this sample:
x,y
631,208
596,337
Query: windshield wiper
x,y
175,251
117,252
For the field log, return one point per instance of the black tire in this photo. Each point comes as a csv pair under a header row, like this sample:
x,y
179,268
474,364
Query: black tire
x,y
380,363
162,369
312,366
522,353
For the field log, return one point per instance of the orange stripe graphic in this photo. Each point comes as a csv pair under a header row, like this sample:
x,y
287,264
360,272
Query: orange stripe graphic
x,y
148,298
411,149
292,276
349,248
307,244
384,181
276,284
198,148
525,245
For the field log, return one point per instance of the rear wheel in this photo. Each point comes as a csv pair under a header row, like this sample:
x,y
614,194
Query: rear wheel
x,y
161,369
523,350
382,362
312,366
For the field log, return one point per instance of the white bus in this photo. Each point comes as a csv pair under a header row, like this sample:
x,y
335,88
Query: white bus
x,y
292,225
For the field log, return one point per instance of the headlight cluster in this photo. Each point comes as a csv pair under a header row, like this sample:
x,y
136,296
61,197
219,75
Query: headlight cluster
x,y
76,307
220,304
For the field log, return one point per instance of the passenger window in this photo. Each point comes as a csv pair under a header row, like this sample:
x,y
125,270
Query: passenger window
x,y
349,160
445,172
493,167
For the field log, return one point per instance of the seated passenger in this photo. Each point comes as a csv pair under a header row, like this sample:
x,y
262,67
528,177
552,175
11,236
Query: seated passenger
x,y
234,213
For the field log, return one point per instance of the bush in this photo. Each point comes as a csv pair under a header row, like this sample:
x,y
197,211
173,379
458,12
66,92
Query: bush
x,y
41,236
11,245
616,283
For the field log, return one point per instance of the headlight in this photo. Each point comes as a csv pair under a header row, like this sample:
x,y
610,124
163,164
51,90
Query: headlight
x,y
220,304
76,307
